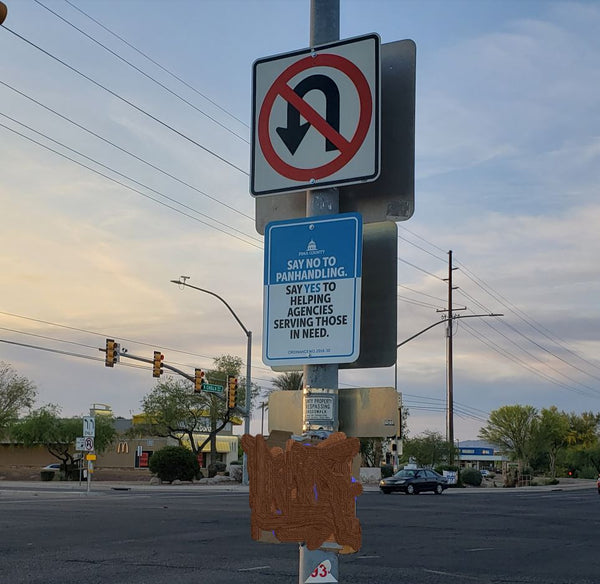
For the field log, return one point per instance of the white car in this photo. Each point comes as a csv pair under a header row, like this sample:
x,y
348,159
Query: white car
x,y
55,467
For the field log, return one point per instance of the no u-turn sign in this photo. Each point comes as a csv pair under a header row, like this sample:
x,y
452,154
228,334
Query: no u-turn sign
x,y
316,117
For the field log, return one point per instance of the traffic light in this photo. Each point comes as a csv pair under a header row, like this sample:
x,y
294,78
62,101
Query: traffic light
x,y
232,385
157,364
112,353
199,381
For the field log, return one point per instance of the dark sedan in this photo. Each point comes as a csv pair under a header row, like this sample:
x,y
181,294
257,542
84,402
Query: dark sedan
x,y
414,481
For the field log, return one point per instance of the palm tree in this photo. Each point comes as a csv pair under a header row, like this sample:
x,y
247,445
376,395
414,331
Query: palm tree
x,y
288,381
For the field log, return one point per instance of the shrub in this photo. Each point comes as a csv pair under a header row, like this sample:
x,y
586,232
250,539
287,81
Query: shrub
x,y
174,463
387,470
470,476
216,467
47,475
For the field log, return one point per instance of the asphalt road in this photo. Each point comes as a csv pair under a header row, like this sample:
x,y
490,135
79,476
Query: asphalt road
x,y
185,536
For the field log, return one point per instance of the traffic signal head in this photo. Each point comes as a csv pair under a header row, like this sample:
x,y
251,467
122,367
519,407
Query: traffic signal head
x,y
157,364
199,381
112,353
232,385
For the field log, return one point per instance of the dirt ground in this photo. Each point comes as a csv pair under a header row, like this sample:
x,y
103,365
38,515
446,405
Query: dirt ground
x,y
26,473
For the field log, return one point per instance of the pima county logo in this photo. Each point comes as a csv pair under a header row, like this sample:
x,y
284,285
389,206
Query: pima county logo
x,y
311,249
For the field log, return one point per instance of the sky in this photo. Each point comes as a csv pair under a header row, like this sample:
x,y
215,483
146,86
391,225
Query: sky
x,y
125,160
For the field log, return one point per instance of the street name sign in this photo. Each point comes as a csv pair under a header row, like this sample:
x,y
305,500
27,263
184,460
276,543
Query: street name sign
x,y
213,388
316,116
312,290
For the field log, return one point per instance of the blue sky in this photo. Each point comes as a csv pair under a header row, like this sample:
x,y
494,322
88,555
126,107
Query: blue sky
x,y
507,175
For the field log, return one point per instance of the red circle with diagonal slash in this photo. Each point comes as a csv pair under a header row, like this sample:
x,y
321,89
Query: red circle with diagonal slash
x,y
347,148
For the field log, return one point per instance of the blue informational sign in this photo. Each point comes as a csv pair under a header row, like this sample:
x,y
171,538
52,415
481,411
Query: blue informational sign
x,y
312,283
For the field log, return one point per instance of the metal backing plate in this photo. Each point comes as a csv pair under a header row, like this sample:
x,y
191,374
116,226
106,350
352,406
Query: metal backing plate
x,y
391,196
364,412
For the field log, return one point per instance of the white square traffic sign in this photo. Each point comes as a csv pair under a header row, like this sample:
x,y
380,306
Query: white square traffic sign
x,y
315,118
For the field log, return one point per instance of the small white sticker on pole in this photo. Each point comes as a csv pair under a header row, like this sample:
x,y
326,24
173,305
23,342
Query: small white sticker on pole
x,y
322,573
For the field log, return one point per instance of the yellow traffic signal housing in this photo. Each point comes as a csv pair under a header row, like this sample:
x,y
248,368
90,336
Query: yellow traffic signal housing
x,y
199,381
157,364
112,353
232,385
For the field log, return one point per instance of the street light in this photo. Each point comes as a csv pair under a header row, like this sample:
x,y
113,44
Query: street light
x,y
450,404
182,282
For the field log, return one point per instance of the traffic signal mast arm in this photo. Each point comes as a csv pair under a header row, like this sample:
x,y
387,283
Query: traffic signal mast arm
x,y
123,353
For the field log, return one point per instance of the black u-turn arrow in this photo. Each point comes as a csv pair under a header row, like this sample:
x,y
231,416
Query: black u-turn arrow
x,y
293,135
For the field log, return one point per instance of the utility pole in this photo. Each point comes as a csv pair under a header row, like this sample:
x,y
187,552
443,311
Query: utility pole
x,y
449,363
450,359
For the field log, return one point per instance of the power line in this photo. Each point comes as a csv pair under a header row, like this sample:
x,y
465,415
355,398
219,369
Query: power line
x,y
131,179
104,335
442,259
142,72
417,302
422,293
523,316
535,343
204,96
421,248
507,354
420,269
114,145
67,353
536,358
129,103
128,187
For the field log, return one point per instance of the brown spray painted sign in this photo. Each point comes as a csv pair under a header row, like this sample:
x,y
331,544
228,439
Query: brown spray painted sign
x,y
305,493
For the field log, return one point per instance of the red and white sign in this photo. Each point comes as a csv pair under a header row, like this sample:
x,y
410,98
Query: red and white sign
x,y
322,573
316,117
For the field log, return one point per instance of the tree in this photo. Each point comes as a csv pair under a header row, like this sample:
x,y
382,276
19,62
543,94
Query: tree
x,y
230,365
45,427
550,431
16,394
371,450
428,449
510,428
172,409
583,429
288,381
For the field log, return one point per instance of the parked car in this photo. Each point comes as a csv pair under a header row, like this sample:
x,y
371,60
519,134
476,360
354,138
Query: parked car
x,y
55,467
413,481
598,484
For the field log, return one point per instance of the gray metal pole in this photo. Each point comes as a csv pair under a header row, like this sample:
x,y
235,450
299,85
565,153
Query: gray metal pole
x,y
248,404
248,333
324,28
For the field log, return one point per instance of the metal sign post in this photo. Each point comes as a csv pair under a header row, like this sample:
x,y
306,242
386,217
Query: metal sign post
x,y
89,432
324,28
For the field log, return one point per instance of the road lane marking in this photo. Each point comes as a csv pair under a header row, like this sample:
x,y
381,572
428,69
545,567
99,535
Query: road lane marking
x,y
450,574
254,568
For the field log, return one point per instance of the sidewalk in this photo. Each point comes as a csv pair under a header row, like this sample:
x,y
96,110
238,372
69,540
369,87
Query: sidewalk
x,y
106,486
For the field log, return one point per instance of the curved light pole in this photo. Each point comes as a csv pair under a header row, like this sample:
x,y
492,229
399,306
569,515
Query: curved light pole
x,y
449,405
248,333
